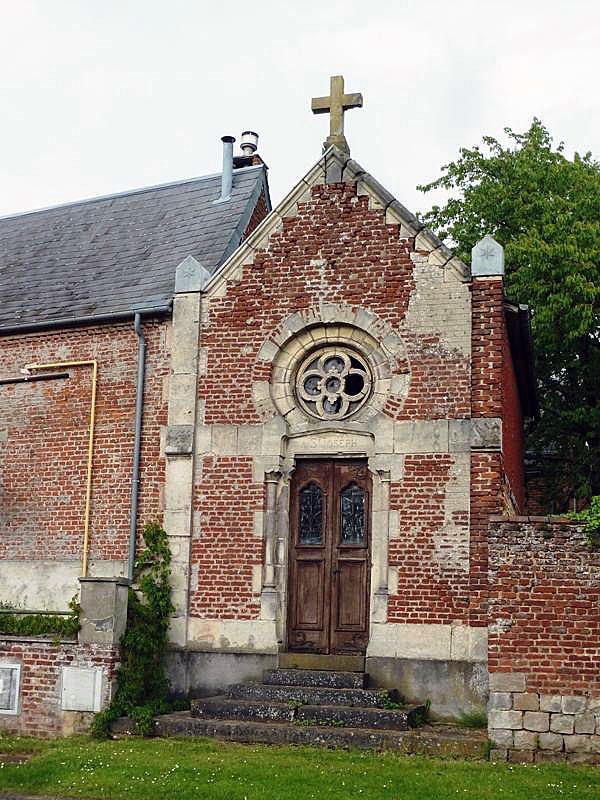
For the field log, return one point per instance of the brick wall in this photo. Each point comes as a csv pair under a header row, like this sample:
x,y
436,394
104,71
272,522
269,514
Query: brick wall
x,y
44,429
337,248
224,555
41,661
544,640
431,554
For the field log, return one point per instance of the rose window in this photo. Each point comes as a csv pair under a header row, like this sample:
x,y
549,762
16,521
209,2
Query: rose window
x,y
333,383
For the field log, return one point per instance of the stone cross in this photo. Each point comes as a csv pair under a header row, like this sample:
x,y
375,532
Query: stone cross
x,y
335,104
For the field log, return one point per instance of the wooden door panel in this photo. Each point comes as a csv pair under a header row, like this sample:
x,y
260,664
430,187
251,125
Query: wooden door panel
x,y
350,584
310,582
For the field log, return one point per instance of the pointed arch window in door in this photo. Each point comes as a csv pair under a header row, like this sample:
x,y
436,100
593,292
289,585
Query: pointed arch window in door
x,y
311,515
353,515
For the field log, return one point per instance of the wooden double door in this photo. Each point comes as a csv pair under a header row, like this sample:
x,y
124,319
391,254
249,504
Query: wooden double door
x,y
328,600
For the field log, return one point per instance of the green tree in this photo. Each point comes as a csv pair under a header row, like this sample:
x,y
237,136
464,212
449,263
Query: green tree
x,y
545,210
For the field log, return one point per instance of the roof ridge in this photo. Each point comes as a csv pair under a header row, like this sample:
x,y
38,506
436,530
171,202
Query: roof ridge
x,y
127,193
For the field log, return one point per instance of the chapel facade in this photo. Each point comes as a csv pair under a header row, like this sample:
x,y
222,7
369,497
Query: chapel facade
x,y
329,410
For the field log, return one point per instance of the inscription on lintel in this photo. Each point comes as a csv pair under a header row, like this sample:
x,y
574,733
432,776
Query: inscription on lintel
x,y
339,443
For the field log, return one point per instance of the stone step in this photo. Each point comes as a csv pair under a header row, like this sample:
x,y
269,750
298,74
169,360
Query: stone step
x,y
335,716
444,741
336,663
227,708
315,696
315,677
398,719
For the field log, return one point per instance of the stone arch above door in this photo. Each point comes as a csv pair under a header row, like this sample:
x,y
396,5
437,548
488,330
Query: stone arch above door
x,y
377,351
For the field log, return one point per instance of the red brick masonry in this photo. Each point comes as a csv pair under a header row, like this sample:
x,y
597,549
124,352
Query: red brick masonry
x,y
544,605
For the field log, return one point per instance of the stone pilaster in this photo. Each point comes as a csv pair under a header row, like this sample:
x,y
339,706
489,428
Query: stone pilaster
x,y
190,281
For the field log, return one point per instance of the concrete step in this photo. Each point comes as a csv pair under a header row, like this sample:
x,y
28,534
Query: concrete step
x,y
444,741
315,696
315,677
400,719
337,663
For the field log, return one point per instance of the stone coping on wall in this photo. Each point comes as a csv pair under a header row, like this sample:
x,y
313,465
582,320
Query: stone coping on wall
x,y
41,639
527,726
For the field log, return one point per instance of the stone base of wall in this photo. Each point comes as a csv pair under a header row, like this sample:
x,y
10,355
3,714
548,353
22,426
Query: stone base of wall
x,y
528,726
61,684
453,687
195,673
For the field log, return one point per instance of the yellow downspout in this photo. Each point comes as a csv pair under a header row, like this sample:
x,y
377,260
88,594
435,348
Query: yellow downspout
x,y
88,489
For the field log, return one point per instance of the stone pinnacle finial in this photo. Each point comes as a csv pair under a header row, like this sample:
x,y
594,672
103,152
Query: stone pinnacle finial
x,y
335,105
487,258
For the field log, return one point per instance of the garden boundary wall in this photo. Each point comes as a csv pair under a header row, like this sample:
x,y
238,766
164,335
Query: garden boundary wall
x,y
544,641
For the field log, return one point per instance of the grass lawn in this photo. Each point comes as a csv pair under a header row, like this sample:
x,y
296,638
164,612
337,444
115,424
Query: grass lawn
x,y
203,768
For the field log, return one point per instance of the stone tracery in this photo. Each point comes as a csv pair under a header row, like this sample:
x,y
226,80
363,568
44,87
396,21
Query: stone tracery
x,y
333,383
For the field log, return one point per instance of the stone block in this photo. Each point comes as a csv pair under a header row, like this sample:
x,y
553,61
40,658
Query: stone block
x,y
249,439
459,435
421,437
224,439
562,723
180,440
536,721
573,705
498,754
103,610
595,744
550,741
186,325
550,702
182,398
486,434
487,258
506,719
520,756
178,486
577,743
500,701
525,740
526,701
508,682
583,758
268,351
585,723
501,737
203,439
549,756
190,276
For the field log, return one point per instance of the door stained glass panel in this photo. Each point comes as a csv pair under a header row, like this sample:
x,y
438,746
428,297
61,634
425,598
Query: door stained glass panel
x,y
353,515
310,525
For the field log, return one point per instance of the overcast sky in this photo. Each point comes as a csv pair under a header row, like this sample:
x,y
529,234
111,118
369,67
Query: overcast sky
x,y
101,96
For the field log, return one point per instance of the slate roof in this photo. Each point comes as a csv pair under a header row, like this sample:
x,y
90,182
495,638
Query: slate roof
x,y
110,255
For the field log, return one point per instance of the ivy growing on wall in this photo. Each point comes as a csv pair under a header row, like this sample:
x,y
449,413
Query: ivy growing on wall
x,y
142,683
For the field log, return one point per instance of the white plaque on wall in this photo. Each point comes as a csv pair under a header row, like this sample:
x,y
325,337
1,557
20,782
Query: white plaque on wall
x,y
10,679
81,689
